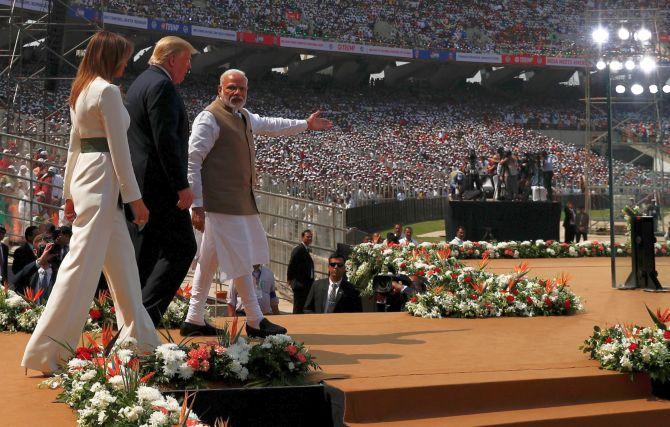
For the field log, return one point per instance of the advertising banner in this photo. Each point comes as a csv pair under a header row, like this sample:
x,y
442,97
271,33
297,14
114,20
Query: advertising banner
x,y
253,38
567,62
524,59
213,33
489,58
438,55
169,27
125,20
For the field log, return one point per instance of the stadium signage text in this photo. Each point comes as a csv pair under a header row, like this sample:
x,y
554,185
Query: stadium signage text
x,y
125,20
214,33
38,5
169,27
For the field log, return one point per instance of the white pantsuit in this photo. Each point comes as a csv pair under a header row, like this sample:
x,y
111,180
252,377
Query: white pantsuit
x,y
100,239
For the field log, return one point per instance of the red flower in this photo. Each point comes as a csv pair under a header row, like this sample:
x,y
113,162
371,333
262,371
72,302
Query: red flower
x,y
113,310
302,358
95,313
510,298
608,340
467,279
666,335
568,304
84,353
421,273
454,276
437,270
291,350
632,347
413,299
547,302
473,296
529,300
403,265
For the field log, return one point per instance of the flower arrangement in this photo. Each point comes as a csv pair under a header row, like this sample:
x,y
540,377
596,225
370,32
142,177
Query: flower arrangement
x,y
115,384
176,311
633,348
454,290
630,212
101,313
19,313
107,386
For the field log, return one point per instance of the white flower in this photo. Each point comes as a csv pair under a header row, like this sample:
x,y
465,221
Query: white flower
x,y
116,382
88,375
291,366
125,355
15,301
102,416
101,399
131,413
148,394
158,419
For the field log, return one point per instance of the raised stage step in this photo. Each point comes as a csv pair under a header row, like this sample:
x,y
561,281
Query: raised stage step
x,y
571,393
641,412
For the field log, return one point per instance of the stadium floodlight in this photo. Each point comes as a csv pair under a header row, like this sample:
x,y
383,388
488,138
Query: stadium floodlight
x,y
629,64
601,65
600,35
666,88
623,33
653,89
636,89
616,65
647,64
643,35
620,89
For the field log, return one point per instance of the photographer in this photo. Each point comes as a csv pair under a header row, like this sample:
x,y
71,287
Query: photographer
x,y
473,168
392,291
41,274
510,171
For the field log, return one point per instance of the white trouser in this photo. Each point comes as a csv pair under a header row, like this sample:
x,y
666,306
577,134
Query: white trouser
x,y
202,281
100,241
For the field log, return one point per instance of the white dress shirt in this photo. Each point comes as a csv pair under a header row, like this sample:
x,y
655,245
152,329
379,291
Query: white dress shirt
x,y
205,132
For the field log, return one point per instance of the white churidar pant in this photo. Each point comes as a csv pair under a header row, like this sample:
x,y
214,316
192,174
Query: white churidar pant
x,y
234,243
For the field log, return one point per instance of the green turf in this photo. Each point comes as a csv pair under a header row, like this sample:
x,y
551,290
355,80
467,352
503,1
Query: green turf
x,y
422,228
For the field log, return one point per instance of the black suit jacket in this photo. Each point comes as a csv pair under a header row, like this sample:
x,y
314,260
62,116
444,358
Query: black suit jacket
x,y
158,138
23,255
348,298
567,213
29,277
300,266
4,261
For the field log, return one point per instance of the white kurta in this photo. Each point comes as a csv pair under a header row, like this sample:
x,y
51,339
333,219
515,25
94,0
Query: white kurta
x,y
239,240
233,242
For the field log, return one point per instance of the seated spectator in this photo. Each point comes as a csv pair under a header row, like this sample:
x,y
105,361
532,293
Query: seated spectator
x,y
460,236
407,237
266,293
334,294
377,239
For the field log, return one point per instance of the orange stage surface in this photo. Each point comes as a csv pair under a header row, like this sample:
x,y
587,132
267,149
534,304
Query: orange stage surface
x,y
401,370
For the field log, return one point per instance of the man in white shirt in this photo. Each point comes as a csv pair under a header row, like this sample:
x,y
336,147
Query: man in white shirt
x,y
407,238
264,284
222,174
460,236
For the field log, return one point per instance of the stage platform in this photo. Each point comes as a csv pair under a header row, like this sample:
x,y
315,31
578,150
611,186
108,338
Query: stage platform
x,y
398,370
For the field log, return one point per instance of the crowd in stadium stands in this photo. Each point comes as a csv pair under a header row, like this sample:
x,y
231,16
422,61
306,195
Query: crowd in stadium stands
x,y
546,27
386,141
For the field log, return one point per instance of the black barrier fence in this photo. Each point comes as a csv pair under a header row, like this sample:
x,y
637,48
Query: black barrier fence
x,y
381,216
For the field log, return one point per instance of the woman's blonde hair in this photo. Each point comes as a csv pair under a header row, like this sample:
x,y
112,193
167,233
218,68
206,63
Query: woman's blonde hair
x,y
168,46
105,53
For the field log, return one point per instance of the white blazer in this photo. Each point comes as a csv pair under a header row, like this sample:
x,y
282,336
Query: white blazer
x,y
99,112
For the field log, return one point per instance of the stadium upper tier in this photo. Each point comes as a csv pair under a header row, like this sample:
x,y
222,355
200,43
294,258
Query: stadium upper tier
x,y
555,27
